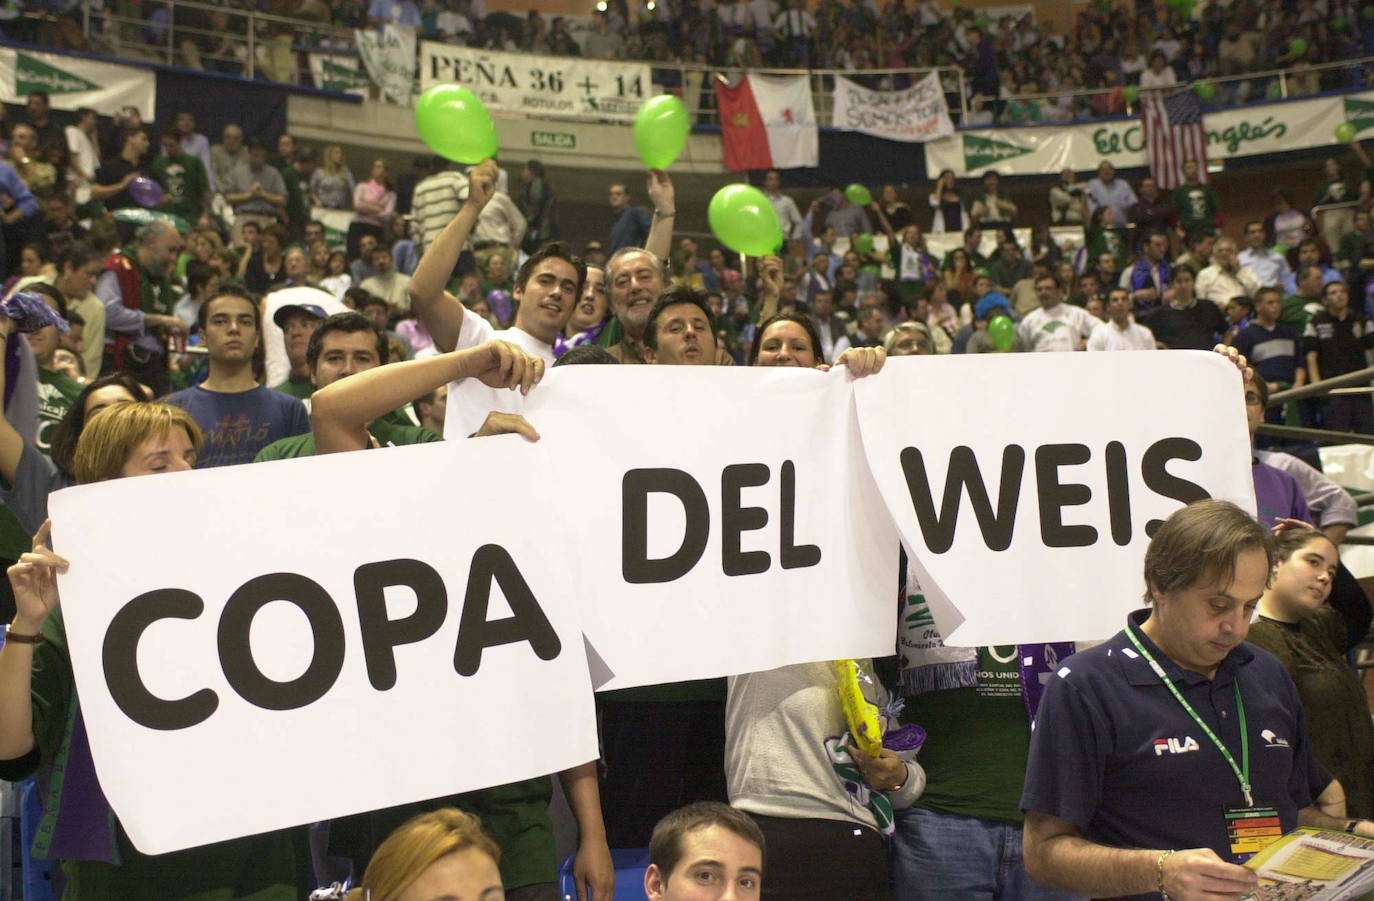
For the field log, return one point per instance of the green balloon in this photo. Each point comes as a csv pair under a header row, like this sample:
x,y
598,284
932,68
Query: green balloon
x,y
863,243
1205,90
661,129
1131,92
1002,332
1345,132
1297,47
744,220
455,124
981,21
1275,91
858,195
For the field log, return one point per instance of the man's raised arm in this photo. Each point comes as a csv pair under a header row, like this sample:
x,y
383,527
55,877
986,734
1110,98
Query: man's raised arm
x,y
664,198
439,311
341,411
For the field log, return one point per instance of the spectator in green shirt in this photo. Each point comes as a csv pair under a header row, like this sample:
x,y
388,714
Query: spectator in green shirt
x,y
1197,203
185,185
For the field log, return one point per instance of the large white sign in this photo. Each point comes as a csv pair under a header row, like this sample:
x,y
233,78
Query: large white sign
x,y
722,535
539,85
73,82
362,652
1030,510
672,523
919,113
1259,128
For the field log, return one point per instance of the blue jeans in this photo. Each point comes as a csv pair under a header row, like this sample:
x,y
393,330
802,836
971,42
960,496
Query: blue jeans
x,y
945,857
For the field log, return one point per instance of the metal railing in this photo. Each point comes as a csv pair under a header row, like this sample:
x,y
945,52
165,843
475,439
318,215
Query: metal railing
x,y
251,44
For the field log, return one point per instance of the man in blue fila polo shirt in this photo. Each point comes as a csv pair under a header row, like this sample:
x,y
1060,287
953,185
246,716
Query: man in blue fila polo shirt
x,y
1165,757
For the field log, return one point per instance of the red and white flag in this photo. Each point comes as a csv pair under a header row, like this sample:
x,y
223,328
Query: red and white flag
x,y
768,123
1173,135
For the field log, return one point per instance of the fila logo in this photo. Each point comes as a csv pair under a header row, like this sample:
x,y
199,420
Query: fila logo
x,y
1174,745
1273,741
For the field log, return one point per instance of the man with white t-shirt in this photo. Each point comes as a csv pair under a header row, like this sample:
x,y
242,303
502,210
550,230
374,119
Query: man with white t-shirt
x,y
547,287
1055,325
1121,331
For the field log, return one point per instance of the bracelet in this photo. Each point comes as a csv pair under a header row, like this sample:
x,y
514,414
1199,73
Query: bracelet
x,y
1159,873
668,215
1352,826
21,638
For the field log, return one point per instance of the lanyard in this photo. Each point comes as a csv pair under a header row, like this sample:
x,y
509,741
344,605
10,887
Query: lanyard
x,y
1243,771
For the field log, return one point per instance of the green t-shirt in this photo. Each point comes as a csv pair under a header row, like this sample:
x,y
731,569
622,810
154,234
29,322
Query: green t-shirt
x,y
1197,207
299,386
297,208
56,393
1107,240
1291,311
1335,190
977,740
185,184
387,432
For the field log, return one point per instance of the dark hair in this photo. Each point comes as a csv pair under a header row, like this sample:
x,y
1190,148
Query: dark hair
x,y
69,428
306,155
1048,277
171,133
40,247
1267,289
43,94
257,144
676,294
1200,544
1329,284
349,323
46,290
203,314
665,846
802,319
198,275
362,299
1289,541
536,168
1184,267
585,353
76,255
130,132
277,231
554,250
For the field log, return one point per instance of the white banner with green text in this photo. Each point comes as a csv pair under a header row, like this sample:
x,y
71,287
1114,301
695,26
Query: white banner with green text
x,y
1244,131
73,82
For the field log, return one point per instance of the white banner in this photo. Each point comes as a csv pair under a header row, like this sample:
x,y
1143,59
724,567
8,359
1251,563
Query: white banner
x,y
335,72
918,113
653,534
539,85
708,557
73,82
1252,130
389,55
446,622
1030,513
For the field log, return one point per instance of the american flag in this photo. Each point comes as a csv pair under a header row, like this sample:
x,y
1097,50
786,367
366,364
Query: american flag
x,y
1173,135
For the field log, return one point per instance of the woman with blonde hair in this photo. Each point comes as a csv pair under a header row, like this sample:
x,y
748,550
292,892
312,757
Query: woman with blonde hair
x,y
41,724
440,854
332,184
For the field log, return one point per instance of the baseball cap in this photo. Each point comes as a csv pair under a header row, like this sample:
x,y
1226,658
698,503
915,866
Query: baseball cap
x,y
309,309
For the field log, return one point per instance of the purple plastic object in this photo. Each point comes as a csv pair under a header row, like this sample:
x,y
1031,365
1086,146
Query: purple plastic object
x,y
145,192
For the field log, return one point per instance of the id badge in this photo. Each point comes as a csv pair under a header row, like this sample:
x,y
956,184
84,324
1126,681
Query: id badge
x,y
1250,830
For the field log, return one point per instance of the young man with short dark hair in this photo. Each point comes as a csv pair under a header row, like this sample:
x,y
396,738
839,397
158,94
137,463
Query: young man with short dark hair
x,y
1335,343
238,416
681,329
706,850
341,346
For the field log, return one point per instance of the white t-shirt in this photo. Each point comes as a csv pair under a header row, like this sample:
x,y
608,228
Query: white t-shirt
x,y
1060,328
1107,336
469,401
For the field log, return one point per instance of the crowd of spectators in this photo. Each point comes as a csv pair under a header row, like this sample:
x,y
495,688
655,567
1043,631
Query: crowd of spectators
x,y
1017,69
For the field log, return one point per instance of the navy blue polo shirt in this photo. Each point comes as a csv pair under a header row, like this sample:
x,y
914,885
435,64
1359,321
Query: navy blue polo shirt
x,y
1113,753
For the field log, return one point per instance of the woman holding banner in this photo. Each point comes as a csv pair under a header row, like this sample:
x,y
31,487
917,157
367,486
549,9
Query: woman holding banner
x,y
41,726
822,804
